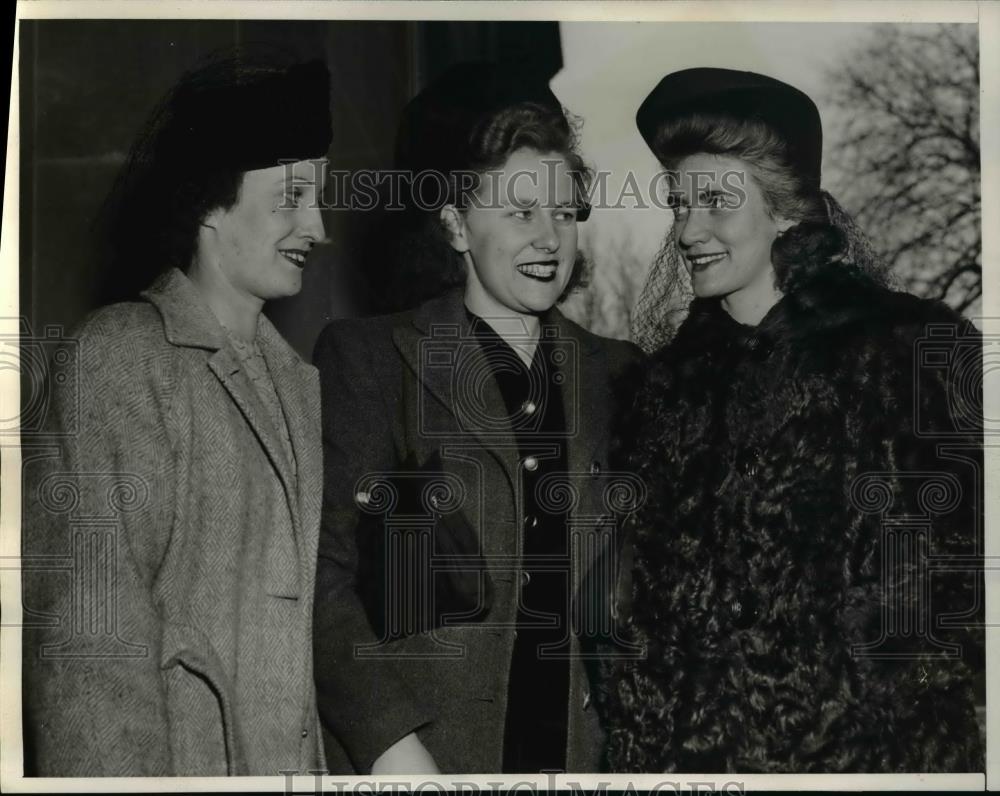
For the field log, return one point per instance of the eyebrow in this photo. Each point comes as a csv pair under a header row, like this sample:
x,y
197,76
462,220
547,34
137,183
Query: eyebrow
x,y
515,201
281,181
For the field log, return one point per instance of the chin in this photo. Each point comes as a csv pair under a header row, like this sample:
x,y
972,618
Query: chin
x,y
709,289
542,298
293,284
539,304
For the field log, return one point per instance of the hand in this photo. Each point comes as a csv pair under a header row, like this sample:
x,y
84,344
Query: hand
x,y
407,756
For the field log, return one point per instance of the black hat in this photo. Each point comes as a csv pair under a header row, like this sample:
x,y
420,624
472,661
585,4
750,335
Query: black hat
x,y
742,94
239,115
436,125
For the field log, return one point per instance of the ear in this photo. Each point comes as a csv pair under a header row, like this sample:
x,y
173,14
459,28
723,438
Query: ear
x,y
211,219
783,225
454,224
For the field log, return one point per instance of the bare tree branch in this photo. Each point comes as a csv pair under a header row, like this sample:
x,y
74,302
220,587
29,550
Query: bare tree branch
x,y
908,157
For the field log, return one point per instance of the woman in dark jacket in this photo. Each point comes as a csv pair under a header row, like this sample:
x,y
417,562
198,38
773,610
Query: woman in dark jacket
x,y
466,487
805,583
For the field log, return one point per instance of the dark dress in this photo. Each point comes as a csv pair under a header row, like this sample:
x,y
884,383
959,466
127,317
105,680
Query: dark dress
x,y
538,686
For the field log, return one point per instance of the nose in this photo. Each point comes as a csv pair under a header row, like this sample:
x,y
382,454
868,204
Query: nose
x,y
310,222
546,239
692,228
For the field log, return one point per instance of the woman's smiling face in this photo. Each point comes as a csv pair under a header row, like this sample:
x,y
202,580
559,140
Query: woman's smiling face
x,y
262,241
519,234
724,229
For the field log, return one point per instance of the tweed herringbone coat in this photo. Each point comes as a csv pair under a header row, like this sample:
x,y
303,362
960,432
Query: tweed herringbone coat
x,y
185,648
411,395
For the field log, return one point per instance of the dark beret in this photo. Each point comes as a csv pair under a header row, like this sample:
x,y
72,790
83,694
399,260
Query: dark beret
x,y
749,95
436,125
232,117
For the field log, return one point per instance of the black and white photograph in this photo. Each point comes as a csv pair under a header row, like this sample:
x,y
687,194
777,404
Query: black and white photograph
x,y
501,396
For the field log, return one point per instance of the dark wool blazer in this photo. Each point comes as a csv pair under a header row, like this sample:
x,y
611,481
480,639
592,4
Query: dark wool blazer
x,y
807,573
170,632
410,396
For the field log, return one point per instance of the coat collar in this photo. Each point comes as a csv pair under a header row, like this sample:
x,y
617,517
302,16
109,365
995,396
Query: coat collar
x,y
584,396
188,322
832,299
448,311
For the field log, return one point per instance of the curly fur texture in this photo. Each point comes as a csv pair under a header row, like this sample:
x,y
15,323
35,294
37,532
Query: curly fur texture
x,y
755,573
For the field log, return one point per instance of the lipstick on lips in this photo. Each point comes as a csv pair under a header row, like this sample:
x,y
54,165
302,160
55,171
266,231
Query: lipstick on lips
x,y
541,271
699,262
295,256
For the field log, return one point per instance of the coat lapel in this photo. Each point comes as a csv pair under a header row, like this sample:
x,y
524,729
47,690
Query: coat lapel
x,y
189,322
228,370
584,371
297,386
454,372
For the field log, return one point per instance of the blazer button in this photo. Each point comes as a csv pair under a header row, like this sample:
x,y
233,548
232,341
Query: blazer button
x,y
525,577
530,522
595,468
305,733
529,407
530,464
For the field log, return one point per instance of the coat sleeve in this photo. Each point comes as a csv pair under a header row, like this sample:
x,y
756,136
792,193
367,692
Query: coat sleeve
x,y
918,586
363,701
94,702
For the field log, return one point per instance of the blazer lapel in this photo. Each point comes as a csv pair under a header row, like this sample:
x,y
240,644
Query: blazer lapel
x,y
454,372
584,371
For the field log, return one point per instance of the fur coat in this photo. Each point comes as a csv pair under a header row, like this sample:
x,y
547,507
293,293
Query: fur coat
x,y
806,579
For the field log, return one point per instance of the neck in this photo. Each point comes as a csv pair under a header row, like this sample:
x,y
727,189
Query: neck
x,y
236,311
750,305
519,330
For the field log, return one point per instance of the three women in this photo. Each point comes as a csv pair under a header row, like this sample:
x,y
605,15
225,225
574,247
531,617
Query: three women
x,y
765,570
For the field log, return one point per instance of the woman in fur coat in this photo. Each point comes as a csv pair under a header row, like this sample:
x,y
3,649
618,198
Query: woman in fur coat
x,y
805,587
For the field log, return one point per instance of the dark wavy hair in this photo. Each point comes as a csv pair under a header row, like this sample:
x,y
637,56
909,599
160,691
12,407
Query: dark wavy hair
x,y
149,222
422,260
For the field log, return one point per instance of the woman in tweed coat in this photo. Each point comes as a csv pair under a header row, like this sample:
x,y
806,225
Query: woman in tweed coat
x,y
807,582
182,483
